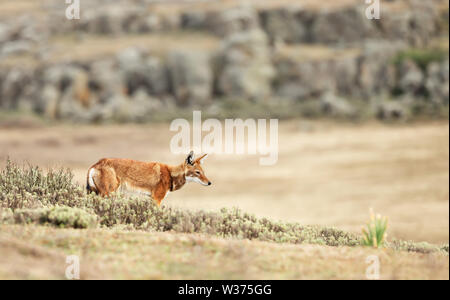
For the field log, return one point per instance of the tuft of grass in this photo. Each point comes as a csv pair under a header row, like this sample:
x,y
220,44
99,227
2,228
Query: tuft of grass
x,y
28,195
375,233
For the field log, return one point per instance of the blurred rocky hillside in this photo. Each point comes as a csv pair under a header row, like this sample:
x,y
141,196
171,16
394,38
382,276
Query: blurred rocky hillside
x,y
131,60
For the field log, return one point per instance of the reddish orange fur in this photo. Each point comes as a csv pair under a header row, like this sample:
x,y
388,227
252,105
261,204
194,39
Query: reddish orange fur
x,y
154,178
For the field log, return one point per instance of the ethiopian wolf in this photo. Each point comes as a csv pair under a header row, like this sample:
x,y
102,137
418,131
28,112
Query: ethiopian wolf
x,y
150,178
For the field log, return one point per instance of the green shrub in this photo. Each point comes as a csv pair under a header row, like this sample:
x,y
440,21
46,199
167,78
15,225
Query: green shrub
x,y
69,217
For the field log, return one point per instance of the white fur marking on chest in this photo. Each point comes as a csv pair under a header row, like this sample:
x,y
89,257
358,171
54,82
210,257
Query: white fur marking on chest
x,y
194,179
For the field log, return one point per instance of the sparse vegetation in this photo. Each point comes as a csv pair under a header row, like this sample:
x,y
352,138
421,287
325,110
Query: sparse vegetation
x,y
375,233
28,195
422,57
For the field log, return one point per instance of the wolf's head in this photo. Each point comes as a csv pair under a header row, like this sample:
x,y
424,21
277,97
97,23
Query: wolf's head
x,y
193,170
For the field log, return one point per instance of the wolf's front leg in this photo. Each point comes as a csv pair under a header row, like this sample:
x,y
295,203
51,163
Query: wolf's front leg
x,y
158,195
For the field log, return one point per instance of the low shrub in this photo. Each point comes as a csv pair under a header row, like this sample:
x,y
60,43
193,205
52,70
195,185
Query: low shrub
x,y
59,216
421,247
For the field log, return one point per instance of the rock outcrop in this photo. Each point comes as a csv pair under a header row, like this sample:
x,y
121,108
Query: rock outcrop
x,y
294,52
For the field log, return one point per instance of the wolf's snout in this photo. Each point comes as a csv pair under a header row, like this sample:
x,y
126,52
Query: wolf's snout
x,y
209,182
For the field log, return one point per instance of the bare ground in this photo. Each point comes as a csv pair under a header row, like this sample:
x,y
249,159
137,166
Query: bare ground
x,y
327,173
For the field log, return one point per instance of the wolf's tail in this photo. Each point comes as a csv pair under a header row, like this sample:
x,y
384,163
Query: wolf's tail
x,y
90,184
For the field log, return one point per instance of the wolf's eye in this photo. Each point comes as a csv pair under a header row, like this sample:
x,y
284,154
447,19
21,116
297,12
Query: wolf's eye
x,y
197,172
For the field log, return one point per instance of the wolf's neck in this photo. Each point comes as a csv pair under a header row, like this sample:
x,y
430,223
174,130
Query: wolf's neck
x,y
178,177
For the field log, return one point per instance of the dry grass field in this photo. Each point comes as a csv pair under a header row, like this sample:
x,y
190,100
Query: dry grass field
x,y
327,173
30,252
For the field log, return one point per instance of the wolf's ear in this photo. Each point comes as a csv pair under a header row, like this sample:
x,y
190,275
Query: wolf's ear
x,y
190,158
202,158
